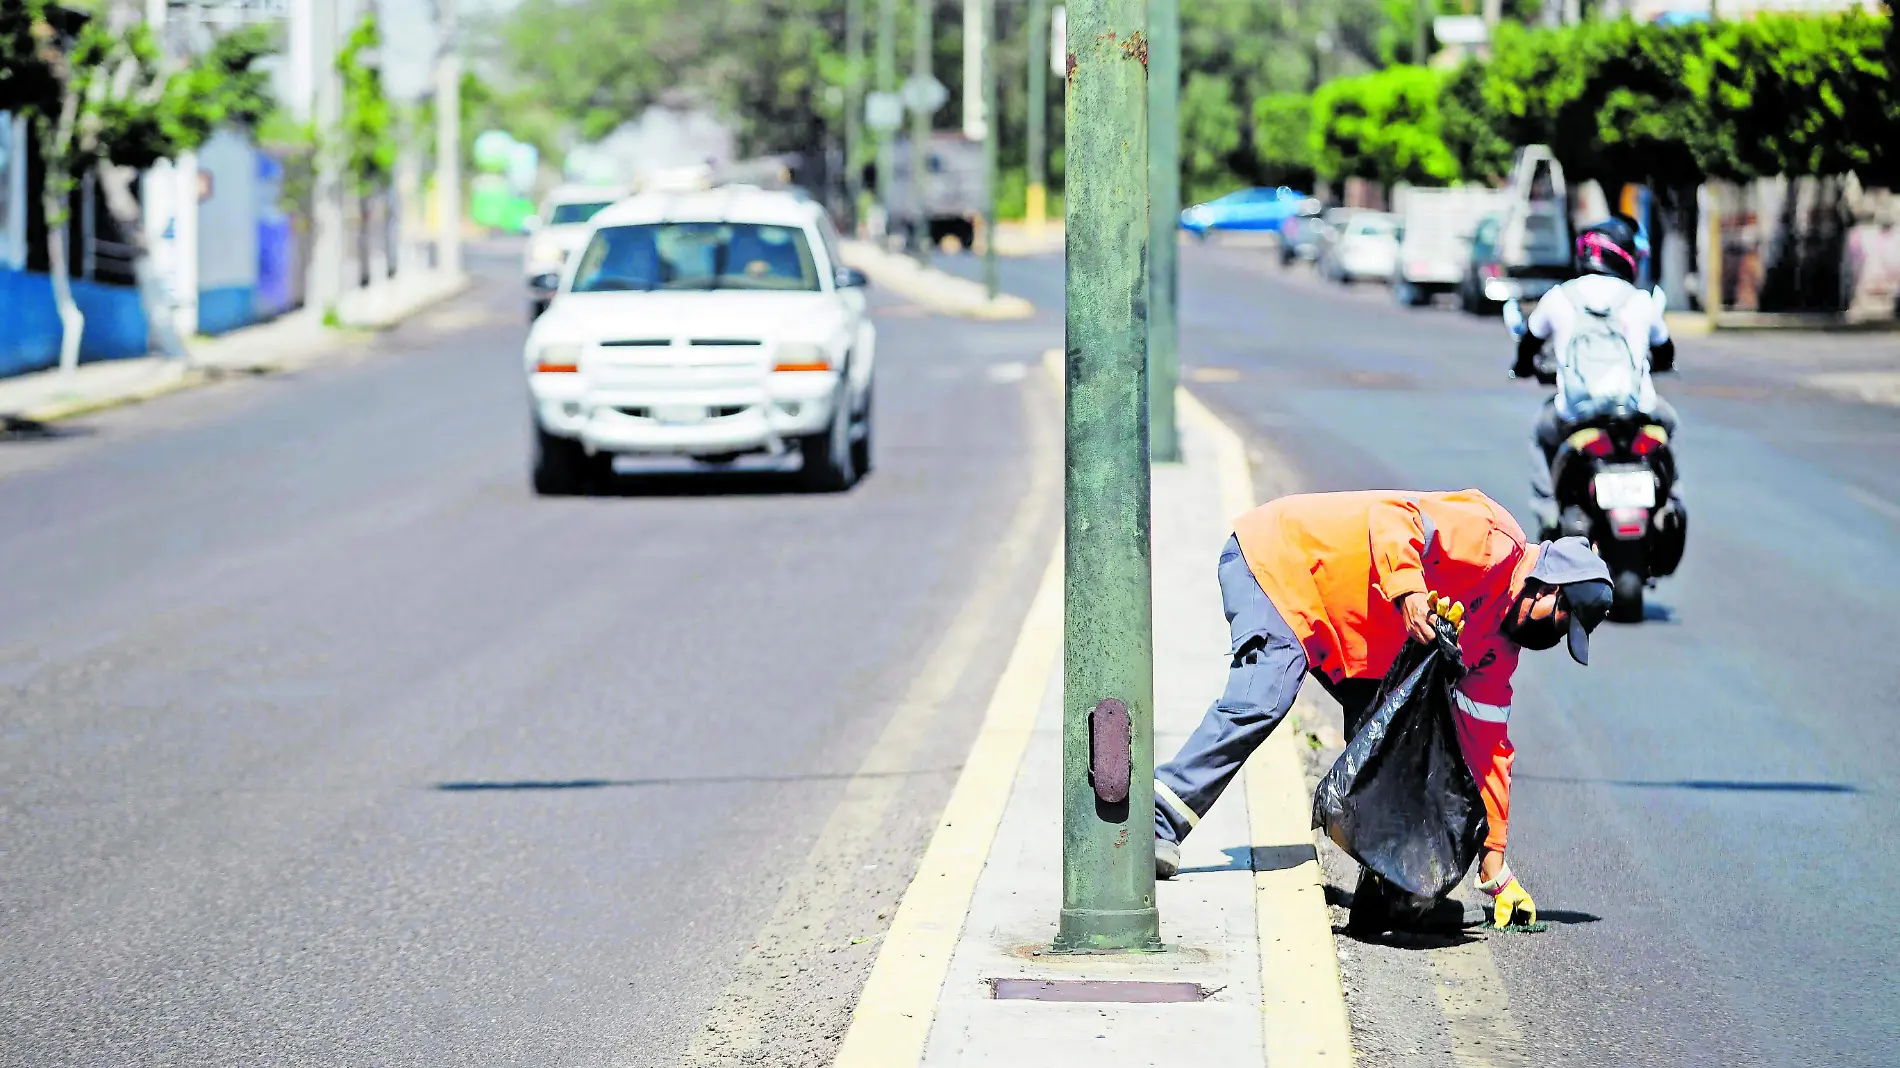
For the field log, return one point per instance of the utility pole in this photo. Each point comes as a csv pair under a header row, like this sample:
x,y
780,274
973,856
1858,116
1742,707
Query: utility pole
x,y
1036,202
853,107
921,15
324,285
886,83
992,132
975,28
1421,30
1164,209
1108,872
448,141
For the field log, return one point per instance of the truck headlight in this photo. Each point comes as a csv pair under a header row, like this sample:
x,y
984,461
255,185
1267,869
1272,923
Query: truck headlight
x,y
557,358
547,249
801,356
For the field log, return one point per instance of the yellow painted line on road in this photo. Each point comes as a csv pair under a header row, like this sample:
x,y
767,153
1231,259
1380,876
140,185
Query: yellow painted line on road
x,y
1303,1004
893,1017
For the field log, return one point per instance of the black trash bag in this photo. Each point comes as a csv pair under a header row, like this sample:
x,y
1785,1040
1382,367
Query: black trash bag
x,y
1401,800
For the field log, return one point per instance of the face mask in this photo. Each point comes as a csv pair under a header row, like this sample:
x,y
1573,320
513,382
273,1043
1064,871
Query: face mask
x,y
1537,634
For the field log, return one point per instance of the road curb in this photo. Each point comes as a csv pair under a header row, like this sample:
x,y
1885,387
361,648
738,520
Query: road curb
x,y
185,378
1303,1001
936,290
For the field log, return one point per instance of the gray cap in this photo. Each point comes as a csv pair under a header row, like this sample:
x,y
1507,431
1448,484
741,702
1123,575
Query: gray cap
x,y
1575,568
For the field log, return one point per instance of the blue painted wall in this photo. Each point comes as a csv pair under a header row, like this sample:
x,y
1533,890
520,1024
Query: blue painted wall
x,y
29,322
226,308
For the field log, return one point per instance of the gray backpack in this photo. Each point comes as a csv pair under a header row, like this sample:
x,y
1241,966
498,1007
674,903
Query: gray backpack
x,y
1596,369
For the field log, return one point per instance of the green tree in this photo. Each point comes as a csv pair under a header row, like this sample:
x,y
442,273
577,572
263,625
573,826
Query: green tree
x,y
99,98
1283,137
1210,133
1795,95
1384,126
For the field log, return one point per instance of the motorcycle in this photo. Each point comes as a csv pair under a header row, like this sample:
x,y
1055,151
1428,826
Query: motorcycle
x,y
1613,477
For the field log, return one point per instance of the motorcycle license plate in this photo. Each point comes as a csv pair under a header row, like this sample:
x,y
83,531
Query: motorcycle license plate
x,y
1626,489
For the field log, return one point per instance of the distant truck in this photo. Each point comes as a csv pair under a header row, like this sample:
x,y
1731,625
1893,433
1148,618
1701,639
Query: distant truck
x,y
955,191
1436,227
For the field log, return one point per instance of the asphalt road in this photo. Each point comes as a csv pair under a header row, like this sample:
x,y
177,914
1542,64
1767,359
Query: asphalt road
x,y
323,741
1709,812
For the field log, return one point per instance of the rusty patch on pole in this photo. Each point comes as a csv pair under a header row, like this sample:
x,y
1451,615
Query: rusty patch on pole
x,y
1071,70
1111,743
1118,991
1136,47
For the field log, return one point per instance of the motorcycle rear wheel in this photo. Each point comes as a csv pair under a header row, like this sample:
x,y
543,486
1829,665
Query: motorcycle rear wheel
x,y
1627,607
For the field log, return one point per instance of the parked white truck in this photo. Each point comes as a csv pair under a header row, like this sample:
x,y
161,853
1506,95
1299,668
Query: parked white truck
x,y
954,190
1435,228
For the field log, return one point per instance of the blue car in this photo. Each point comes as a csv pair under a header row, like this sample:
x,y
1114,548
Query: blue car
x,y
1261,210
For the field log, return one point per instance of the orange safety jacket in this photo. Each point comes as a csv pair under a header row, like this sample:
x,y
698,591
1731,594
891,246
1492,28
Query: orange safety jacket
x,y
1335,563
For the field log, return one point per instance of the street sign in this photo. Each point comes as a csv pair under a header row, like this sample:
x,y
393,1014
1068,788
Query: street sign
x,y
883,111
1460,29
1059,41
925,94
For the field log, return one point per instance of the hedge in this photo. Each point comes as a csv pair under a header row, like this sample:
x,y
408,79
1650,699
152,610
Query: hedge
x,y
1621,101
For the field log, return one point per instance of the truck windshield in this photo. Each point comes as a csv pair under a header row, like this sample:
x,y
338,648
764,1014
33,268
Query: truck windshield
x,y
697,255
569,214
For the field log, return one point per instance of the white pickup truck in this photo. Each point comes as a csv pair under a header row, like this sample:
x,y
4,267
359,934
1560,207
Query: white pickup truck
x,y
710,325
1436,225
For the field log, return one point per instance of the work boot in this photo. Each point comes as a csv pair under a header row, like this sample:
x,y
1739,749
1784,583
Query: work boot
x,y
1167,858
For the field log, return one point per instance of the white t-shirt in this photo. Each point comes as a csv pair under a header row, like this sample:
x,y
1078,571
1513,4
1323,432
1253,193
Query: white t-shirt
x,y
1639,317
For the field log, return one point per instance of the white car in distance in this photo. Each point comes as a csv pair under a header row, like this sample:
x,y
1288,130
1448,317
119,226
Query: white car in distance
x,y
710,325
557,231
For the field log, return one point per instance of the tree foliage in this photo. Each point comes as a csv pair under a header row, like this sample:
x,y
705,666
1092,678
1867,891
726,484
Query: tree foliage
x,y
366,134
1384,126
1282,136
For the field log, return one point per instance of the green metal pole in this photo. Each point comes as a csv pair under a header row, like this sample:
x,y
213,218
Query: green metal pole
x,y
886,82
922,11
992,133
1037,199
1164,208
853,106
1108,873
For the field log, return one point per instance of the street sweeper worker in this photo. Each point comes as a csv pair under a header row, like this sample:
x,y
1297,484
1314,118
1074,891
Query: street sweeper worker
x,y
1333,585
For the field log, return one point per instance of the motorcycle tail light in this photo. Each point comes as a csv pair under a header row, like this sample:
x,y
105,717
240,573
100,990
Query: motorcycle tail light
x,y
1592,442
1649,439
1629,523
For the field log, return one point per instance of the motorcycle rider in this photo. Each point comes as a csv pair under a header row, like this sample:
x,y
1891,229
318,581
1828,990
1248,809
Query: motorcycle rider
x,y
1602,298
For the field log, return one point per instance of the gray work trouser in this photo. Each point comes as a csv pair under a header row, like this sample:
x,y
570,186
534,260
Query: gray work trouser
x,y
1547,432
1263,678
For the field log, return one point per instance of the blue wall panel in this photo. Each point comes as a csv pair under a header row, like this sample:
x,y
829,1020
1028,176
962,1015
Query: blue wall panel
x,y
29,322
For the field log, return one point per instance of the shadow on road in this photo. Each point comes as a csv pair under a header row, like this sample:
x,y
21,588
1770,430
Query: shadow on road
x,y
1738,785
531,785
20,428
703,482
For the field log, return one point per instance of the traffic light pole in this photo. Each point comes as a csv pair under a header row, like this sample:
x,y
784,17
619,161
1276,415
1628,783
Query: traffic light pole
x,y
1164,208
1036,203
992,133
1108,874
920,47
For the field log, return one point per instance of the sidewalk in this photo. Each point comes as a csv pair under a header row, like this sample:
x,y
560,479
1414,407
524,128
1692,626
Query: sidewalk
x,y
266,348
1245,923
945,294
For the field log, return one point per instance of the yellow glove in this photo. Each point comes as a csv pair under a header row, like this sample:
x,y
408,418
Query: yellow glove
x,y
1452,612
1510,900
